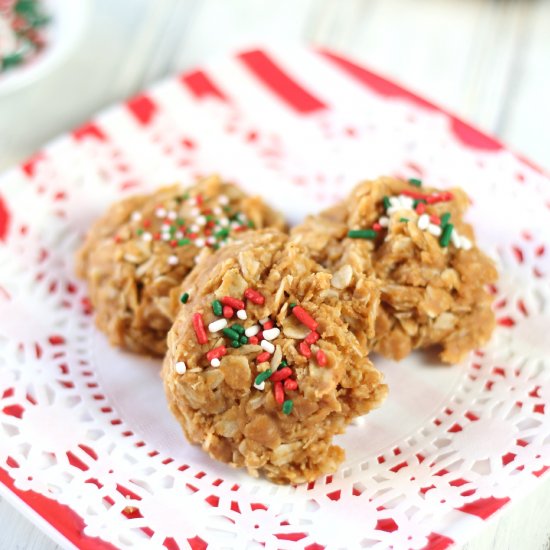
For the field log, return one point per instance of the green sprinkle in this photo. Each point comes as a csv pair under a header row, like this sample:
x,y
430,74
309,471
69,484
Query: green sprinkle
x,y
243,339
292,305
180,221
230,333
182,242
445,219
185,196
217,308
238,328
12,60
262,377
404,220
416,182
236,344
172,229
184,297
139,231
222,233
251,224
209,217
386,201
287,406
446,235
282,364
216,246
227,209
362,234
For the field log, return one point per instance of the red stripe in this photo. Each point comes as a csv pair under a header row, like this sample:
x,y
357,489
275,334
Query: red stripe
x,y
201,85
4,219
29,166
280,82
438,542
143,108
61,517
89,129
464,132
484,507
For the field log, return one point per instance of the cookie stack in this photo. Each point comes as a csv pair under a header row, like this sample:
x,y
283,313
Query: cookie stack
x,y
266,334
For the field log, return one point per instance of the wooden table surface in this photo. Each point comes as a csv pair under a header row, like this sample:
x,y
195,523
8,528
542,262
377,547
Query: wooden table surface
x,y
486,60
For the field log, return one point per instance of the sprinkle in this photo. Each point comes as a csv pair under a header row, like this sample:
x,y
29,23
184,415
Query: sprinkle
x,y
181,367
198,325
216,353
455,238
215,362
254,296
183,242
446,235
435,219
423,222
253,340
292,305
217,308
201,220
223,200
194,228
184,297
199,242
384,221
404,220
230,333
362,234
305,350
146,223
262,376
172,215
233,302
321,358
228,312
465,243
264,320
260,386
268,346
290,384
376,226
304,317
434,230
282,364
416,182
243,339
253,330
279,392
271,333
238,328
136,217
420,208
445,219
263,357
216,326
288,406
269,324
241,314
160,213
281,374
147,237
222,233
173,260
387,203
235,344
312,337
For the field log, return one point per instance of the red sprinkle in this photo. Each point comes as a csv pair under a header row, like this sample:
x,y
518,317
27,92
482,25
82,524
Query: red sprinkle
x,y
173,243
232,302
156,236
253,340
376,226
198,325
146,223
199,199
421,208
435,219
290,385
414,194
118,239
240,228
228,312
263,357
312,337
279,392
216,353
254,296
304,350
268,324
321,358
281,374
304,317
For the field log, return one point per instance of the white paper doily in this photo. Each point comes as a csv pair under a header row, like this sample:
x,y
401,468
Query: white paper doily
x,y
86,426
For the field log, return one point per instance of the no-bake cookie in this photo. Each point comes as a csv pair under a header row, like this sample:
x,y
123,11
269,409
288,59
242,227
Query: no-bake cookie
x,y
413,239
144,246
261,370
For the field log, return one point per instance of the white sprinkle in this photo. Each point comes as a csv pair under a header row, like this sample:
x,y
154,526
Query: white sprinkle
x,y
195,211
394,201
267,346
178,235
201,220
166,237
199,242
241,314
194,228
181,367
172,215
406,202
271,333
217,210
224,222
423,222
384,221
216,326
136,216
173,260
147,237
434,230
211,240
235,224
252,331
215,362
223,200
160,212
165,227
260,386
466,243
264,320
455,238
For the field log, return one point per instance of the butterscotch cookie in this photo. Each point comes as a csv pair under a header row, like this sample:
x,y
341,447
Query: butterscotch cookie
x,y
146,245
261,370
413,239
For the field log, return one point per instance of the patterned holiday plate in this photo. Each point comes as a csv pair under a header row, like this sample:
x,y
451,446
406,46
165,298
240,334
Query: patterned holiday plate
x,y
87,445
